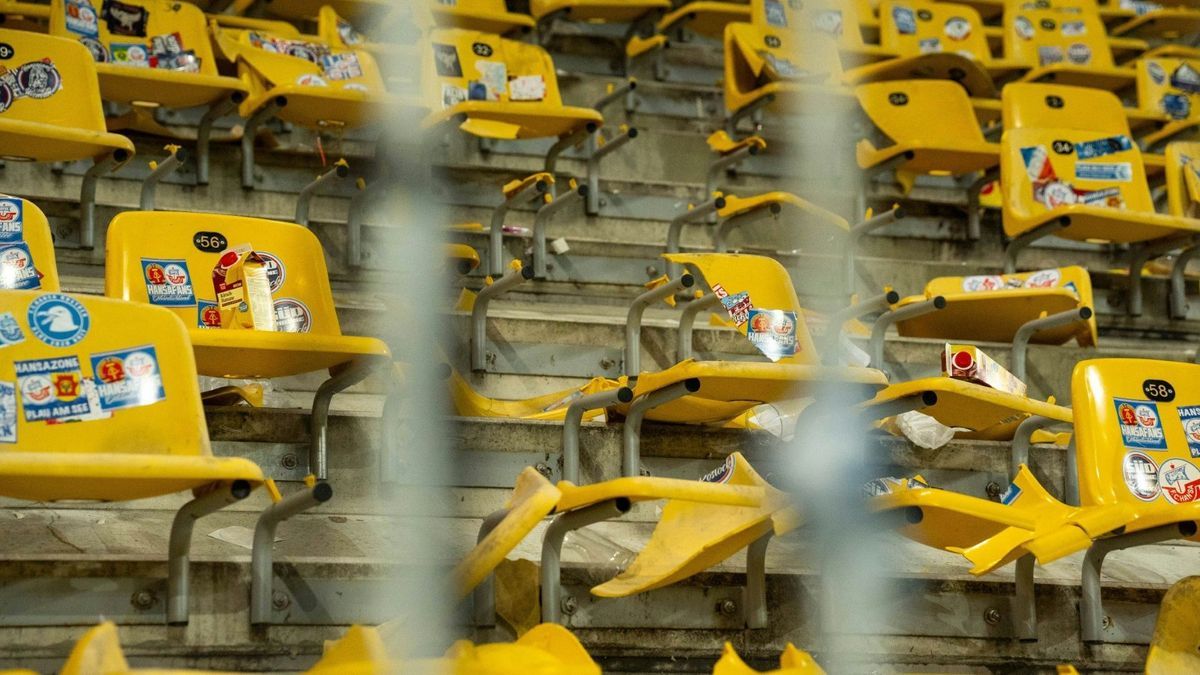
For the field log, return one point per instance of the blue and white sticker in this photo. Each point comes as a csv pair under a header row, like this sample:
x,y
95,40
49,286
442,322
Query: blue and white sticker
x,y
1049,55
276,272
10,330
8,412
1010,495
1186,78
1073,28
1121,172
1156,72
1176,106
1141,476
208,315
168,282
292,316
737,306
12,221
1189,417
52,389
1103,146
905,19
1140,424
17,271
929,45
776,16
82,19
58,320
773,331
127,378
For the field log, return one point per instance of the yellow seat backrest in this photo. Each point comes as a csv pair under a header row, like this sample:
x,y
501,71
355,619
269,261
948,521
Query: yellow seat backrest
x,y
1183,178
125,370
175,253
920,111
49,80
1169,86
26,247
1043,36
467,65
1175,647
1137,433
781,43
266,61
910,27
1053,106
360,650
767,285
138,33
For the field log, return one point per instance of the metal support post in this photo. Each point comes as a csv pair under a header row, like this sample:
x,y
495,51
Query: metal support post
x,y
631,455
569,140
479,313
552,543
1024,240
1139,256
702,210
496,234
304,199
1091,607
204,131
633,321
180,543
885,320
722,164
857,232
1179,306
733,222
351,375
1025,333
87,194
250,132
593,166
542,220
1024,607
832,338
683,348
754,596
483,598
974,215
574,418
159,171
262,555
1023,438
356,215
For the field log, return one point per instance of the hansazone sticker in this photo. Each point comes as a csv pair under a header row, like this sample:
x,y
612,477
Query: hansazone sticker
x,y
168,282
1179,481
8,412
1141,476
1189,417
58,320
127,378
1141,427
773,331
51,389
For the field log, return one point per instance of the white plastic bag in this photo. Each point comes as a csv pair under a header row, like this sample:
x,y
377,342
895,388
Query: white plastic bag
x,y
923,430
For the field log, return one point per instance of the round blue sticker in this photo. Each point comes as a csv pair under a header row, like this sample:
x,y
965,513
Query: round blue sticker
x,y
58,320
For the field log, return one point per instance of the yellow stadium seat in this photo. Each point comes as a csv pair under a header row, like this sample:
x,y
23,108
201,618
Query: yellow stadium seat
x,y
1069,169
1063,45
464,258
56,116
553,406
1164,91
932,127
598,11
108,410
1167,23
1183,179
730,388
322,87
706,17
26,247
779,59
147,52
547,649
809,226
983,411
791,662
512,93
485,16
361,12
166,258
1174,647
935,40
991,308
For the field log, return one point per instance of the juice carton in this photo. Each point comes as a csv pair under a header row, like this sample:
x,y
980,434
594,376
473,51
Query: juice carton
x,y
968,362
243,290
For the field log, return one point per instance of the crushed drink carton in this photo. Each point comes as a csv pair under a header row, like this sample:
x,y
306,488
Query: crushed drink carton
x,y
243,290
968,362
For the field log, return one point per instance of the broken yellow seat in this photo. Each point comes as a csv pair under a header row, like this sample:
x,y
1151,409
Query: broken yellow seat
x,y
26,247
1167,23
991,308
706,17
127,373
971,406
692,536
153,53
308,337
325,87
809,226
931,124
1183,179
1175,646
598,11
1159,95
1066,47
58,116
791,662
511,93
485,16
465,258
1041,167
534,498
553,406
546,649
